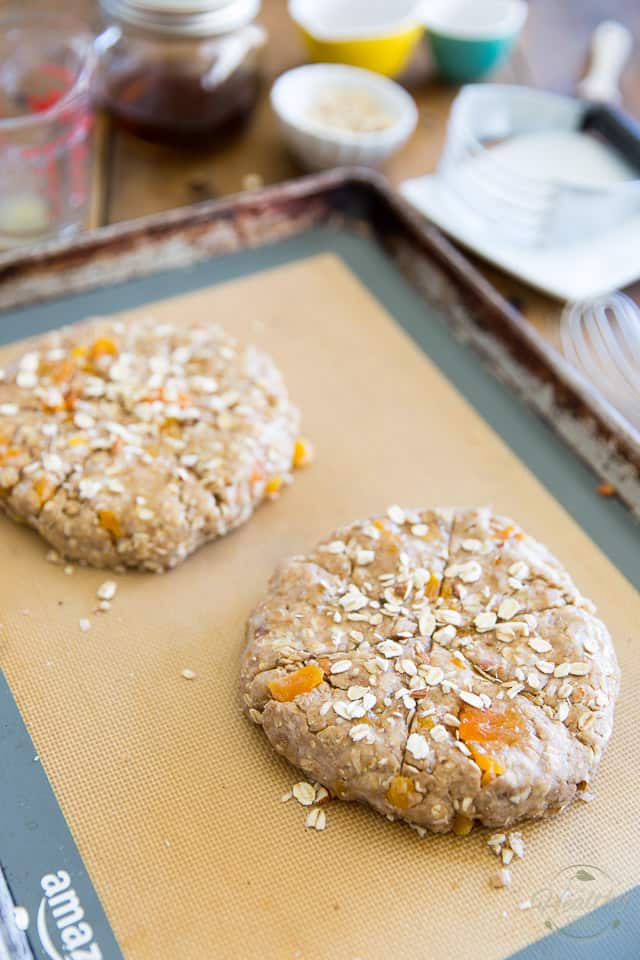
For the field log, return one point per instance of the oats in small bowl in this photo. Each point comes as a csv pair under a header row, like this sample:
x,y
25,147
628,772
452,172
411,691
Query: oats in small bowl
x,y
334,115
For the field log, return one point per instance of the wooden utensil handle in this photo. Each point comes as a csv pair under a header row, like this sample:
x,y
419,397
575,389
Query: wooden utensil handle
x,y
611,45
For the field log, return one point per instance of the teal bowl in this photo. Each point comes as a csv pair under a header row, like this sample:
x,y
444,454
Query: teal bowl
x,y
470,38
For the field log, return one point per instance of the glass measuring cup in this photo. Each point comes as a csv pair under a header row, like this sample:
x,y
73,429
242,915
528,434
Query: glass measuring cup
x,y
45,128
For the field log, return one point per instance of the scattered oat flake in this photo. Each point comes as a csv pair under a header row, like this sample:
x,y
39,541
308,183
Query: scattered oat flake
x,y
361,731
517,844
340,666
365,557
286,797
508,608
545,666
304,793
107,590
471,545
396,514
68,570
417,746
579,669
485,621
501,879
445,634
470,572
188,674
539,645
439,733
426,624
472,699
85,624
496,839
433,676
21,917
389,648
316,819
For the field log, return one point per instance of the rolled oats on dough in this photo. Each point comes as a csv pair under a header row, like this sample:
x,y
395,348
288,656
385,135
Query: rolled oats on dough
x,y
130,445
439,665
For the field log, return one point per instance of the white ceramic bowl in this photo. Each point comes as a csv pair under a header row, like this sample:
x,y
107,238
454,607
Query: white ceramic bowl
x,y
320,147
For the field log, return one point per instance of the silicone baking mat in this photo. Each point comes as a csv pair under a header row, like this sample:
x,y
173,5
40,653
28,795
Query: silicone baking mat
x,y
181,846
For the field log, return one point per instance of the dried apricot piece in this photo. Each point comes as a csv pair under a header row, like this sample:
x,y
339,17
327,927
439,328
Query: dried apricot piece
x,y
10,452
489,765
63,371
43,489
425,723
502,724
432,588
110,522
402,793
273,485
302,452
506,532
294,684
102,347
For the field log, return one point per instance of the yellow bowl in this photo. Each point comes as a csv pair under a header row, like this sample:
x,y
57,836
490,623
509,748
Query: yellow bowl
x,y
383,43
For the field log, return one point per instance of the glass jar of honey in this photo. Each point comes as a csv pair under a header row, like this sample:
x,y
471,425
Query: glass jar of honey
x,y
179,72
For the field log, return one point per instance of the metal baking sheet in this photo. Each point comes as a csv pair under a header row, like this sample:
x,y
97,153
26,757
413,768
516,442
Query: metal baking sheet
x,y
35,840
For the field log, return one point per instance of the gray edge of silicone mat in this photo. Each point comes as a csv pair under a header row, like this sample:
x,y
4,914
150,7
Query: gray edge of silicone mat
x,y
34,837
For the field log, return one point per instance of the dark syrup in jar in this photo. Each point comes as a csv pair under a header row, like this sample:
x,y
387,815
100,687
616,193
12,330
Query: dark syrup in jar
x,y
171,106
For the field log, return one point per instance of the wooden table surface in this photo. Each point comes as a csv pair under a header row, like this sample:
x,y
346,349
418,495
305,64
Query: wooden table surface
x,y
141,178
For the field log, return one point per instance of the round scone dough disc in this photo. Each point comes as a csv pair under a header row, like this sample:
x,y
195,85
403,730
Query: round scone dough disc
x,y
131,445
439,665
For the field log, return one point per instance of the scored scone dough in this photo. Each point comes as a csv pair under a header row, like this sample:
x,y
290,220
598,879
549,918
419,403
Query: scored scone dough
x,y
130,445
440,665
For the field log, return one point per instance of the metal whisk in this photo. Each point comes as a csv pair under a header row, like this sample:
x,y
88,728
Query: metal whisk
x,y
601,338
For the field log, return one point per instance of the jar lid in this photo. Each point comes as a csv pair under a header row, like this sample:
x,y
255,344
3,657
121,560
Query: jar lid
x,y
184,18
